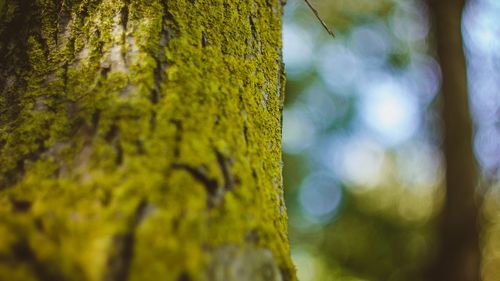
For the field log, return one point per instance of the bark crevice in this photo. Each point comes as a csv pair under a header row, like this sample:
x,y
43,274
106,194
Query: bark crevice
x,y
118,264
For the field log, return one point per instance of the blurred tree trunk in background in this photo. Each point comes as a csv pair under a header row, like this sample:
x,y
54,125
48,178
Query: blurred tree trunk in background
x,y
141,140
458,257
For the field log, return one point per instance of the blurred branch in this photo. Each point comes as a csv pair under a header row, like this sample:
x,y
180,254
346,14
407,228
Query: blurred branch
x,y
319,18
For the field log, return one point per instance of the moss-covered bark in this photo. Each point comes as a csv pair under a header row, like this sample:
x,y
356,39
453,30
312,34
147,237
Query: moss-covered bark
x,y
140,140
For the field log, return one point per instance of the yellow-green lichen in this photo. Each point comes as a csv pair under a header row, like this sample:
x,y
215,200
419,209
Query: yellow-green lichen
x,y
147,144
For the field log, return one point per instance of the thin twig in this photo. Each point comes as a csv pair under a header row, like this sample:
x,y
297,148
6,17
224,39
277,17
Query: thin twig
x,y
319,18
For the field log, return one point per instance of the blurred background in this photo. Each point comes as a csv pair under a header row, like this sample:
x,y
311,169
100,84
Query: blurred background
x,y
364,164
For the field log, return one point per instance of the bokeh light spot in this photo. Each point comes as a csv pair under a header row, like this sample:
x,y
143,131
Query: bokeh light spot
x,y
320,196
390,111
297,49
298,130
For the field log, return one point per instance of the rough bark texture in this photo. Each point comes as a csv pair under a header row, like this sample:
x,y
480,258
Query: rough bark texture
x,y
141,140
459,253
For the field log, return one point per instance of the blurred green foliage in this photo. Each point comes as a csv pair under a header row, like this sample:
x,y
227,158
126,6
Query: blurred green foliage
x,y
362,161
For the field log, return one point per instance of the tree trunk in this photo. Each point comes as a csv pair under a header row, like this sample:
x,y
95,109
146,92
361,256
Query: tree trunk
x,y
458,257
141,140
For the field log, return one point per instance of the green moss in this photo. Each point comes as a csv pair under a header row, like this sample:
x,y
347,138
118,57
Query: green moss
x,y
145,147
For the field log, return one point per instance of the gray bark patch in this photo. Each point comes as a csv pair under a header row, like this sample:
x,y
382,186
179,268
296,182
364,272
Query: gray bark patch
x,y
243,263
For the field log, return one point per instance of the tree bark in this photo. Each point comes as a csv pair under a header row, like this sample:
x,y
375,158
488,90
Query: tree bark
x,y
141,140
458,257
